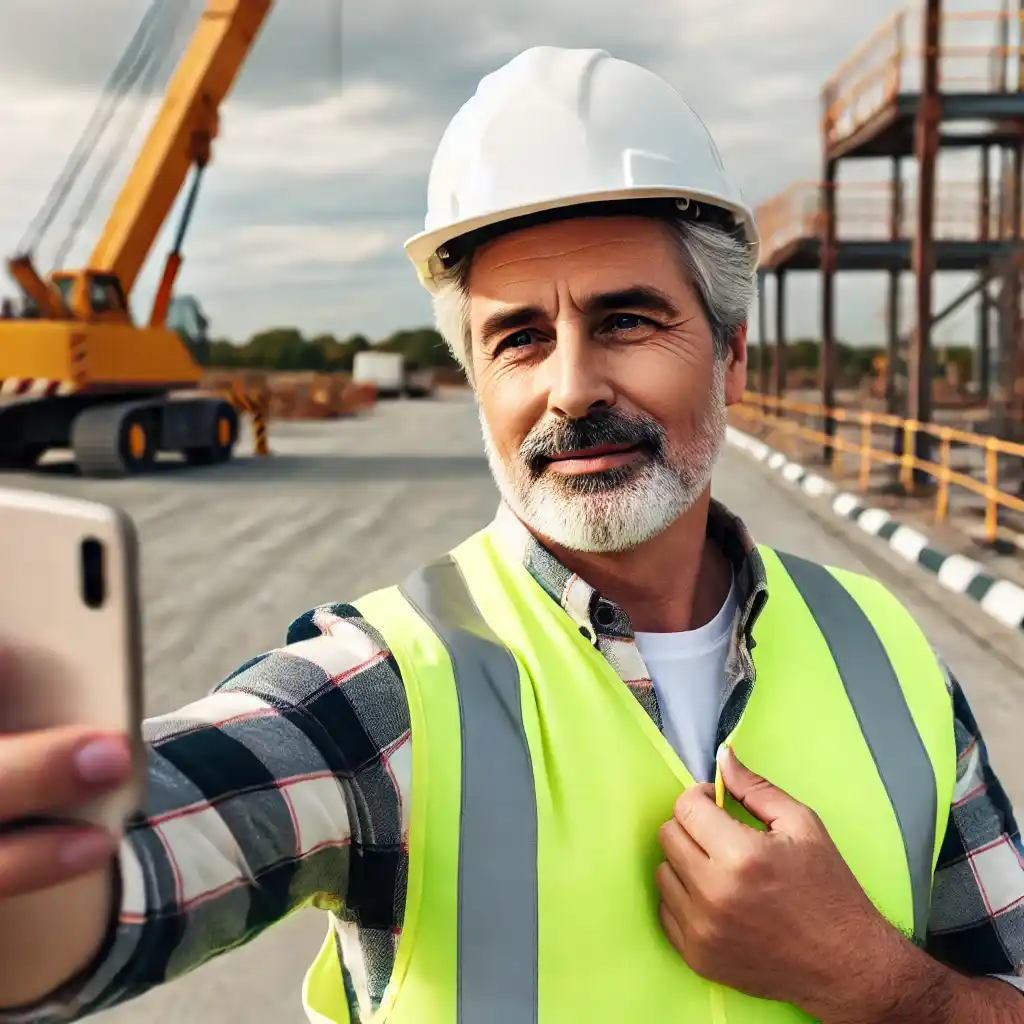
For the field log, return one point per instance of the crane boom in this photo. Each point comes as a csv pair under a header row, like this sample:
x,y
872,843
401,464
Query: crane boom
x,y
82,373
180,137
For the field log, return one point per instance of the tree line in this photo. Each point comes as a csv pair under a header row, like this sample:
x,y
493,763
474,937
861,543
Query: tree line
x,y
288,349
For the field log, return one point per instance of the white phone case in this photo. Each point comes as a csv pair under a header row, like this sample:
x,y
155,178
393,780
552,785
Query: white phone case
x,y
70,628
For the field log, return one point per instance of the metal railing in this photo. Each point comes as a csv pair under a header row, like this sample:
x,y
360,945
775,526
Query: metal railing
x,y
981,51
804,421
863,213
793,214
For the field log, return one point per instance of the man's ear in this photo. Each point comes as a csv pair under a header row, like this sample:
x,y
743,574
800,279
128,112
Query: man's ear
x,y
736,366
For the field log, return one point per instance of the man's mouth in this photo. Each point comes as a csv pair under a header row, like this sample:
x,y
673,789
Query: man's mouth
x,y
593,453
593,460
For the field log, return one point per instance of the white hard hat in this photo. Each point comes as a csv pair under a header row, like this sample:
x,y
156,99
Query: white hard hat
x,y
555,129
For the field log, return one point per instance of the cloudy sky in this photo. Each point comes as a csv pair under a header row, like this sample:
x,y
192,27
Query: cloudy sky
x,y
320,171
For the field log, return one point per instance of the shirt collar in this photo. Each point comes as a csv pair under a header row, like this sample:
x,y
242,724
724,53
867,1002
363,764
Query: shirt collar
x,y
597,616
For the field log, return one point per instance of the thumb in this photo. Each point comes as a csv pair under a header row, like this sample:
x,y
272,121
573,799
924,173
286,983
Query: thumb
x,y
766,802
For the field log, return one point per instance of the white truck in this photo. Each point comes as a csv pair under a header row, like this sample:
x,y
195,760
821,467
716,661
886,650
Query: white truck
x,y
384,369
393,378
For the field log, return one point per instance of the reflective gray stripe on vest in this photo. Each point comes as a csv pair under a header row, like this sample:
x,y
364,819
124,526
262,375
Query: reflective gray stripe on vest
x,y
497,957
876,696
497,884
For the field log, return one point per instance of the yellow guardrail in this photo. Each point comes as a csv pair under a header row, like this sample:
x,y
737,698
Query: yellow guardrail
x,y
805,420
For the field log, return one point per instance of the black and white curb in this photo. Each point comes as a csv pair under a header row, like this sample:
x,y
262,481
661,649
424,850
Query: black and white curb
x,y
1001,599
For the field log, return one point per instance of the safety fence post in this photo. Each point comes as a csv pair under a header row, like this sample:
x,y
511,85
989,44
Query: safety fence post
x,y
256,402
261,407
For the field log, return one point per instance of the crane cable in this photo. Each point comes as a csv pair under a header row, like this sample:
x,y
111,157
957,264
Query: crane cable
x,y
113,94
143,60
145,75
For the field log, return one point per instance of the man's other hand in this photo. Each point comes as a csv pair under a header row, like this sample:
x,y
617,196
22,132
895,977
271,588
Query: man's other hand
x,y
775,914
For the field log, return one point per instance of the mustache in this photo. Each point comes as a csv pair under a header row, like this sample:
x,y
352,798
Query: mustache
x,y
552,438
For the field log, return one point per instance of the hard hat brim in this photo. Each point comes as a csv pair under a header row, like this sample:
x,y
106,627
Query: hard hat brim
x,y
422,247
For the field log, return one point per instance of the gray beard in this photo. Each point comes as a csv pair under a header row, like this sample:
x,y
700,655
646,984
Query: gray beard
x,y
619,509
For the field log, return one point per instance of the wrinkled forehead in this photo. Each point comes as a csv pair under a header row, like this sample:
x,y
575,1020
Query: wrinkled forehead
x,y
576,257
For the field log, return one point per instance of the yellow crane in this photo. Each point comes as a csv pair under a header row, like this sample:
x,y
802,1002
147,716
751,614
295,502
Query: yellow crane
x,y
77,371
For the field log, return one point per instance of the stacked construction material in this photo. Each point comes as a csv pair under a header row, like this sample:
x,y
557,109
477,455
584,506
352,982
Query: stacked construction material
x,y
450,377
300,396
248,382
329,395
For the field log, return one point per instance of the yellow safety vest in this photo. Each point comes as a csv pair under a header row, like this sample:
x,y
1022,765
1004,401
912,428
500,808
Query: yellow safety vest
x,y
539,785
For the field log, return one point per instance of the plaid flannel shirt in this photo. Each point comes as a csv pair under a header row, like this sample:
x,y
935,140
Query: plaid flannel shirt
x,y
289,786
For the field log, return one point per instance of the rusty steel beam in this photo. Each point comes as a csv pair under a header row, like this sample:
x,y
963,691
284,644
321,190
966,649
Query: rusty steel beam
x,y
983,366
1015,384
1002,55
983,354
826,354
956,303
1007,302
893,347
780,333
1006,369
926,148
1016,348
1001,369
762,333
1017,201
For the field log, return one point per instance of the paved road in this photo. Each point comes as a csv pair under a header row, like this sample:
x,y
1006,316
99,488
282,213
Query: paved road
x,y
231,554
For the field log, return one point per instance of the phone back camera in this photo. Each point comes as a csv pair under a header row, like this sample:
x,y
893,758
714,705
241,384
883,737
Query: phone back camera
x,y
93,576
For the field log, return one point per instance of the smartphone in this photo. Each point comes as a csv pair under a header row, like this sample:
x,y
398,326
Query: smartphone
x,y
70,629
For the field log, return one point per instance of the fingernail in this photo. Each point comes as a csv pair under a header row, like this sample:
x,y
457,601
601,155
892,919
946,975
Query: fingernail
x,y
722,754
87,850
102,761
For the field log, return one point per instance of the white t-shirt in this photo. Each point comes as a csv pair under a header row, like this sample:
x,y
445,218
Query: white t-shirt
x,y
688,671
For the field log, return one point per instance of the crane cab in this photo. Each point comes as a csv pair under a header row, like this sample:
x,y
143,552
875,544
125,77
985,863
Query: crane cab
x,y
92,296
88,296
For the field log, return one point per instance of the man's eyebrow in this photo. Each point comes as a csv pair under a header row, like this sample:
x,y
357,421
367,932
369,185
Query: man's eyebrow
x,y
508,319
636,297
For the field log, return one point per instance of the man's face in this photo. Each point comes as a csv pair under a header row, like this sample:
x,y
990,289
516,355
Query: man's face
x,y
601,399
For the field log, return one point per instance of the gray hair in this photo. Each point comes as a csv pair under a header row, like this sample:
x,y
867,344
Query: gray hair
x,y
722,268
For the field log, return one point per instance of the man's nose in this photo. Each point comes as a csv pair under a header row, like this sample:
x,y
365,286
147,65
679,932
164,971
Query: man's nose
x,y
579,380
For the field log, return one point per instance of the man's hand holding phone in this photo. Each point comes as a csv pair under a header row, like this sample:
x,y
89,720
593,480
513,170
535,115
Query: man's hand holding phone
x,y
42,774
72,762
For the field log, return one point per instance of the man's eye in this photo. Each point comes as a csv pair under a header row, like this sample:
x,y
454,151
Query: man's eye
x,y
517,340
626,322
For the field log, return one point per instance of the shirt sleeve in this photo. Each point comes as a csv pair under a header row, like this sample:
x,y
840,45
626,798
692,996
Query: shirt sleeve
x,y
257,794
977,915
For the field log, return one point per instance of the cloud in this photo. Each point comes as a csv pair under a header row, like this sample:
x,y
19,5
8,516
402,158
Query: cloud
x,y
361,131
306,248
320,170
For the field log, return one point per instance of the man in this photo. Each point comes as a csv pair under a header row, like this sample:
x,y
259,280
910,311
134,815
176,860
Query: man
x,y
607,760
